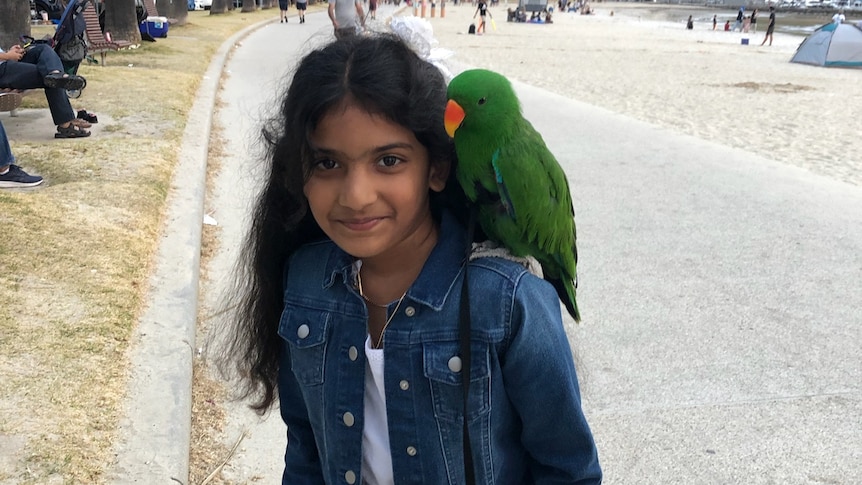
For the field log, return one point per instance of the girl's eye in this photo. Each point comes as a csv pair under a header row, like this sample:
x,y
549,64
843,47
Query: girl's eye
x,y
389,161
482,101
325,164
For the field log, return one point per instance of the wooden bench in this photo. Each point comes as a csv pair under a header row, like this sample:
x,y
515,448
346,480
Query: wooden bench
x,y
10,99
96,41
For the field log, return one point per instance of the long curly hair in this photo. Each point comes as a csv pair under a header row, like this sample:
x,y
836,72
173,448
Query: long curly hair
x,y
381,75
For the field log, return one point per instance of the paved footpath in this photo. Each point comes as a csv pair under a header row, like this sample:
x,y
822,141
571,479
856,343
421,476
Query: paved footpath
x,y
720,291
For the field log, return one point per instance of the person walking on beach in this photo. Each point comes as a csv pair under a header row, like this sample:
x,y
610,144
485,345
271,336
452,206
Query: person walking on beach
x,y
482,10
714,21
839,18
690,23
771,27
739,17
754,21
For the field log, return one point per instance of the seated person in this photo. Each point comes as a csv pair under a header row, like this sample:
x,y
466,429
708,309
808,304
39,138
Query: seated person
x,y
522,15
39,68
11,175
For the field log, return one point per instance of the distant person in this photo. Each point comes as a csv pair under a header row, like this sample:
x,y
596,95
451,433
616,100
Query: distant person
x,y
690,23
746,24
346,16
754,21
11,175
282,6
300,8
740,15
714,21
372,9
727,26
38,67
839,18
771,27
482,10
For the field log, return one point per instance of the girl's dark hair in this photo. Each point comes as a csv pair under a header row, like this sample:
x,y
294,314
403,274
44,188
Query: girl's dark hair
x,y
381,75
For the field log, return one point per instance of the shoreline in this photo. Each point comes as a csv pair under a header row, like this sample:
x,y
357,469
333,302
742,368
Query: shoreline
x,y
702,83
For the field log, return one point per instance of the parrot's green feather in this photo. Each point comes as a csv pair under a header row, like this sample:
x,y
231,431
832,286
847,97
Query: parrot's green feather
x,y
500,152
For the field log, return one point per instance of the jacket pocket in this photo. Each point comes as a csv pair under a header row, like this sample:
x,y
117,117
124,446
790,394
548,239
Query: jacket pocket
x,y
442,364
305,332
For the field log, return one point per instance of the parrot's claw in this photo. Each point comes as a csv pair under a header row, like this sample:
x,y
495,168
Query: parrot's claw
x,y
490,249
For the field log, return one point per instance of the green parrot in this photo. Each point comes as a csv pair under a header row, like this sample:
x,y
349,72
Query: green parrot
x,y
505,168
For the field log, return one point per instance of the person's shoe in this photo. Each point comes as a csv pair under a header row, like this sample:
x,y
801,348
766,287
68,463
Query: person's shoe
x,y
16,177
64,81
71,131
10,101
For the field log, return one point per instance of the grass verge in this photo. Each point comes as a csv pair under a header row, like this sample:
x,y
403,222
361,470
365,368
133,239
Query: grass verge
x,y
75,254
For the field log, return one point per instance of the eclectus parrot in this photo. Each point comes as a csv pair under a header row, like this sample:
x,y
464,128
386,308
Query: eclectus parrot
x,y
506,169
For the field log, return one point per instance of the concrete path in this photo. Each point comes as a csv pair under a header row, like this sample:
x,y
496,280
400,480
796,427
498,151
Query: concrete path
x,y
722,340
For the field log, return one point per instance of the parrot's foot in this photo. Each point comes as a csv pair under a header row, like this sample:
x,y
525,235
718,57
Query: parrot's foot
x,y
490,249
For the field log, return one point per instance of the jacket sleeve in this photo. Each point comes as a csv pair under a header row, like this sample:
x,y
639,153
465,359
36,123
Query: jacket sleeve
x,y
538,369
301,460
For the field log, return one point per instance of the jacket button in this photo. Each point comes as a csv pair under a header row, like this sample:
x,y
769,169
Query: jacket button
x,y
348,419
352,353
404,385
303,331
455,364
350,477
410,311
411,451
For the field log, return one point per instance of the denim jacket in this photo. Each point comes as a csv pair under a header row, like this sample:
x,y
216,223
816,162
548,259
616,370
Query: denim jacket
x,y
525,419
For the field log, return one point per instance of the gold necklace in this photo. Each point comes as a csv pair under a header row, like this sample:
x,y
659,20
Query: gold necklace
x,y
388,320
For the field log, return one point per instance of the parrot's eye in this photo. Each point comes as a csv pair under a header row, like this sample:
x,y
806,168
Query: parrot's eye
x,y
482,101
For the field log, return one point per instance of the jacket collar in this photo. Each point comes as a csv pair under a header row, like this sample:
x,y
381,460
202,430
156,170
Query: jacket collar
x,y
438,276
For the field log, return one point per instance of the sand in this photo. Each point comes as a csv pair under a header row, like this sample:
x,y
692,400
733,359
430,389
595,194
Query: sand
x,y
702,82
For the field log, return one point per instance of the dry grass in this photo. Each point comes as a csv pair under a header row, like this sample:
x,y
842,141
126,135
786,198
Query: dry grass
x,y
75,256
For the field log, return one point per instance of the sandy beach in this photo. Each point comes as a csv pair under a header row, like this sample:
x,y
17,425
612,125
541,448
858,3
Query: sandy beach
x,y
704,83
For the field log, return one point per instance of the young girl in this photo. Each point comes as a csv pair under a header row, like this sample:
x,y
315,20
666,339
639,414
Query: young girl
x,y
352,287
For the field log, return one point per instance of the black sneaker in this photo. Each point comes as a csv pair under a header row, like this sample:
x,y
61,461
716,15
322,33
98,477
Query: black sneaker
x,y
16,177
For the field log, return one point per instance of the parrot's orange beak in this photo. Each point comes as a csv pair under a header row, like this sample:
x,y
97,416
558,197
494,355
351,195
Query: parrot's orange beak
x,y
453,117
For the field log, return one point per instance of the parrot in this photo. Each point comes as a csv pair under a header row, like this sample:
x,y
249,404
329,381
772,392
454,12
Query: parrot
x,y
519,189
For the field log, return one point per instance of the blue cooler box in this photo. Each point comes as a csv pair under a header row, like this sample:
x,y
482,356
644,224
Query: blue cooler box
x,y
155,26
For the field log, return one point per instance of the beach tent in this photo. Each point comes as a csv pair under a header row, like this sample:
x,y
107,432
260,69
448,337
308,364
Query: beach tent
x,y
833,45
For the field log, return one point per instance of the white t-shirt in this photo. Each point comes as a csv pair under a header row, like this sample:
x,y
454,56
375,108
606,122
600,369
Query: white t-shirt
x,y
376,456
838,18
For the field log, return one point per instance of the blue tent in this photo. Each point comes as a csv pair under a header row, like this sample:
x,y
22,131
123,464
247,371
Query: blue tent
x,y
832,45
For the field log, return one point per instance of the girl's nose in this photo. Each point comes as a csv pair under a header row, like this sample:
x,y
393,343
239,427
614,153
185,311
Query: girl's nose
x,y
358,190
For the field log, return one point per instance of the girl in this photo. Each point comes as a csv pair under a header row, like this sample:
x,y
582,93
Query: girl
x,y
355,258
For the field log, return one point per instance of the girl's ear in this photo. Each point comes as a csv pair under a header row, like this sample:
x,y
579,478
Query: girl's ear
x,y
438,174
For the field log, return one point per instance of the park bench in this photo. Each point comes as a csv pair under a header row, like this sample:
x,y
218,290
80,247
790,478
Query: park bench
x,y
6,104
96,40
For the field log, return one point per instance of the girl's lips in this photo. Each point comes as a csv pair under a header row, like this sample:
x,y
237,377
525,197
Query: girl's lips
x,y
361,224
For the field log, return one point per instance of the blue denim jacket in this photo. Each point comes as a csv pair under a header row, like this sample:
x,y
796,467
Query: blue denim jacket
x,y
525,419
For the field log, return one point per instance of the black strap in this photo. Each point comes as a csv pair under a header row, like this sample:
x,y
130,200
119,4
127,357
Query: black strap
x,y
464,337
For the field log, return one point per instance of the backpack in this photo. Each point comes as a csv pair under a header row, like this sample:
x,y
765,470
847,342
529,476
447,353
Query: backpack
x,y
472,29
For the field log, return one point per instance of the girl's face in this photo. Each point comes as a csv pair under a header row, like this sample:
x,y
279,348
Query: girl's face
x,y
369,182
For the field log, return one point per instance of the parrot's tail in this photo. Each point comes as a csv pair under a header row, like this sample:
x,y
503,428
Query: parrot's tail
x,y
566,291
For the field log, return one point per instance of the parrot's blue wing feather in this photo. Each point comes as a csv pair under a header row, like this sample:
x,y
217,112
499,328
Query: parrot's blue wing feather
x,y
505,198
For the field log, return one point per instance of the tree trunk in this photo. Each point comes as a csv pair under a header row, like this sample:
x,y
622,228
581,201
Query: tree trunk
x,y
219,6
121,20
176,10
248,6
14,22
